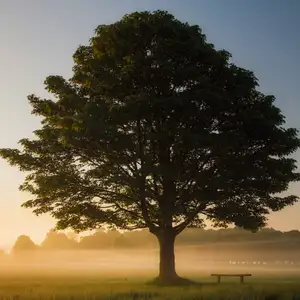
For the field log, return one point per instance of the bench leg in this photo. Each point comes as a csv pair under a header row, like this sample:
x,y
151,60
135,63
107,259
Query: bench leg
x,y
219,279
242,279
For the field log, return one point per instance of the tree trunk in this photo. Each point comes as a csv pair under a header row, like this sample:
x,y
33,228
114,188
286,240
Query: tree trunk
x,y
167,272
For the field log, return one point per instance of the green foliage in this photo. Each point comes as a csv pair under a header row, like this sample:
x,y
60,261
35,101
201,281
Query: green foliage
x,y
156,129
87,287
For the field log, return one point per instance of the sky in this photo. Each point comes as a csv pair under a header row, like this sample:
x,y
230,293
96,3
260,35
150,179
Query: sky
x,y
39,37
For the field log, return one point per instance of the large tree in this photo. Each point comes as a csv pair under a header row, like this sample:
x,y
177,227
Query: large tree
x,y
156,129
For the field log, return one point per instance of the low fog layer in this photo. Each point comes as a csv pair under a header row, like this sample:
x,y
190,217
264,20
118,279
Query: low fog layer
x,y
127,263
197,251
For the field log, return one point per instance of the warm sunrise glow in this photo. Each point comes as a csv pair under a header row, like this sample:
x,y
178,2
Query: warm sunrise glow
x,y
152,138
33,47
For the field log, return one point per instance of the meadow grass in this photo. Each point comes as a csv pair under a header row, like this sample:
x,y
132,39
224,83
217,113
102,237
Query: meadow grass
x,y
90,285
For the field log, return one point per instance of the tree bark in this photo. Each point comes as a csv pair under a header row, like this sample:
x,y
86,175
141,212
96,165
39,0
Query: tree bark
x,y
167,271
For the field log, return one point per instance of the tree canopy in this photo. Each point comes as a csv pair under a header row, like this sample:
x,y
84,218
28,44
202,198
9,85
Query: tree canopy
x,y
23,243
58,240
156,129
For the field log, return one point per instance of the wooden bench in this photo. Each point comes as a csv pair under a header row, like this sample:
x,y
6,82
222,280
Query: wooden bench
x,y
231,275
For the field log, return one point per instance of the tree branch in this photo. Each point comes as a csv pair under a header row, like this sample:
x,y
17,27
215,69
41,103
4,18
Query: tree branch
x,y
142,189
180,227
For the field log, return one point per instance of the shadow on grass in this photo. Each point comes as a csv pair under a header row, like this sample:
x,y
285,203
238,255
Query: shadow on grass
x,y
180,282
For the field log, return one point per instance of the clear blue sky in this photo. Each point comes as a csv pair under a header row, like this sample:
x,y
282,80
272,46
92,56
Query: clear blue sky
x,y
38,38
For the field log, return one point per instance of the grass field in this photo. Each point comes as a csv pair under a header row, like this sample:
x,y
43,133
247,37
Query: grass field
x,y
76,285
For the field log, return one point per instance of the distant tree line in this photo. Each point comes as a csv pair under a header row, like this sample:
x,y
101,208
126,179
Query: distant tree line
x,y
113,239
